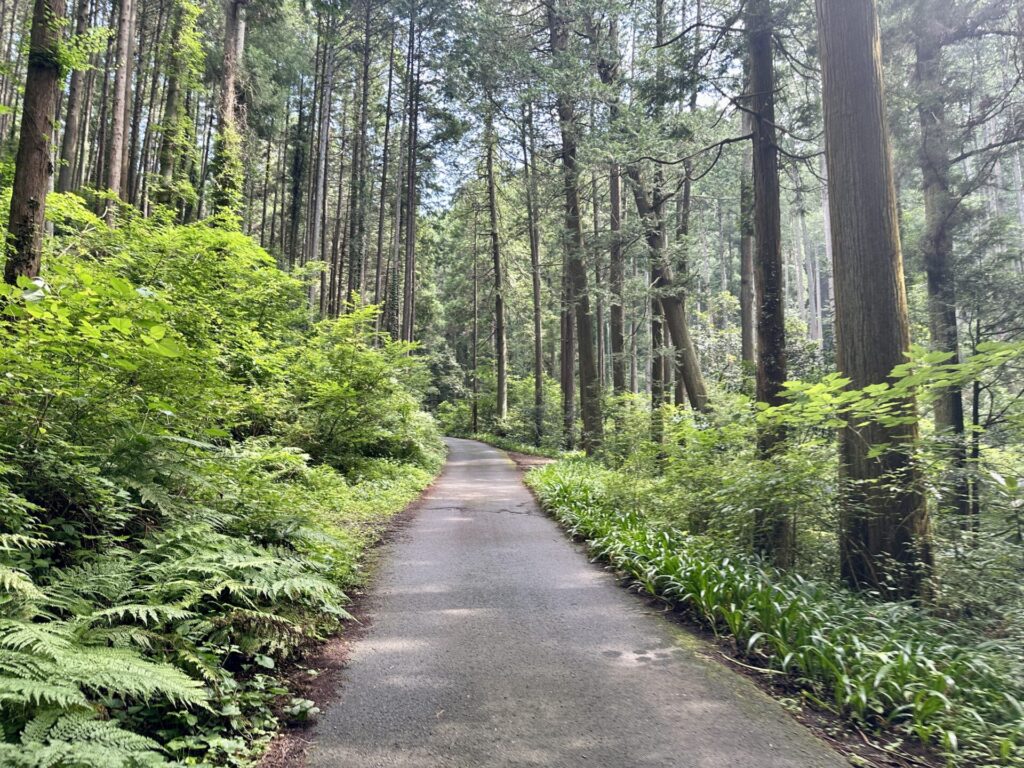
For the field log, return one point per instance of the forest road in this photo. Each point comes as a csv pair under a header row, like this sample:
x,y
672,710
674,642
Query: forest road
x,y
494,642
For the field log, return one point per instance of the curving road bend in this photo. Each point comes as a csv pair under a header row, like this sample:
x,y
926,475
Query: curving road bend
x,y
494,642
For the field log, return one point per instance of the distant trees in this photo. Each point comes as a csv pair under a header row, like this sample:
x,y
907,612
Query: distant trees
x,y
650,222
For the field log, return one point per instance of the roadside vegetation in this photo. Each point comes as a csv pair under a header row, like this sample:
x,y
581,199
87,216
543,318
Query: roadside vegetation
x,y
193,468
677,517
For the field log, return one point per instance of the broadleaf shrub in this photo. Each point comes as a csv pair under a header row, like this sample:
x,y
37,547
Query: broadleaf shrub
x,y
191,468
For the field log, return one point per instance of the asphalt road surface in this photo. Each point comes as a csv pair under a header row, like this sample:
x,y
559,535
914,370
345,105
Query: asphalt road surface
x,y
494,642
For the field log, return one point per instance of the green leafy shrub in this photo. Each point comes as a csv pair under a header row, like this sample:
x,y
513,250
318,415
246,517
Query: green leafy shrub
x,y
191,469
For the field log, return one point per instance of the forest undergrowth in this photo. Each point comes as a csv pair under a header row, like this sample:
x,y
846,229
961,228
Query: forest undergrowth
x,y
192,469
677,518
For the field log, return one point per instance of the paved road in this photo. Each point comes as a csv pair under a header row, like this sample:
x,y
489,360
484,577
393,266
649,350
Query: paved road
x,y
494,642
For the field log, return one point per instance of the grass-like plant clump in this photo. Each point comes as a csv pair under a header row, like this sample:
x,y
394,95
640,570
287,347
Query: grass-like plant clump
x,y
890,666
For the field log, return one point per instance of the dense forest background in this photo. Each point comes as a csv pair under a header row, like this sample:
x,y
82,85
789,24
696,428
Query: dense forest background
x,y
754,267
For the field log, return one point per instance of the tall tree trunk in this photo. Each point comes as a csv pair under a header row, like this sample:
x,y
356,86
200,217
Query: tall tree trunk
x,y
797,250
319,179
411,181
748,318
392,306
1018,183
608,69
129,101
533,225
567,362
500,347
140,174
340,224
33,166
687,366
884,536
811,265
144,48
87,150
658,373
230,173
617,281
71,142
579,299
99,175
475,354
599,326
651,208
937,239
15,54
171,140
378,276
773,529
298,173
828,299
122,74
360,158
313,146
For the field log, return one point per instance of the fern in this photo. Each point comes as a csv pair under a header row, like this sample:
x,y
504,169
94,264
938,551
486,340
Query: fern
x,y
121,672
16,582
52,740
46,640
63,755
82,728
40,725
142,613
103,580
38,693
11,542
44,665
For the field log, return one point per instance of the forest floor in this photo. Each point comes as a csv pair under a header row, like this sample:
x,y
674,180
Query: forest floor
x,y
490,640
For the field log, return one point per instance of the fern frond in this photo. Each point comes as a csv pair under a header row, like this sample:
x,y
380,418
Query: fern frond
x,y
11,542
142,613
82,728
60,754
155,495
123,673
264,623
40,725
104,579
18,583
125,636
34,692
25,665
49,640
233,588
189,658
306,587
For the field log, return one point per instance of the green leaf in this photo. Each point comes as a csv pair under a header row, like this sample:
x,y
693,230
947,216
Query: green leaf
x,y
121,324
168,348
123,287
